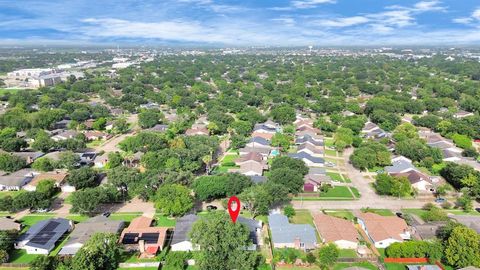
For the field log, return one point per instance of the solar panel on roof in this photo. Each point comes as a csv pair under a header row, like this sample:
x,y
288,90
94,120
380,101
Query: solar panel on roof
x,y
52,225
150,238
129,238
42,238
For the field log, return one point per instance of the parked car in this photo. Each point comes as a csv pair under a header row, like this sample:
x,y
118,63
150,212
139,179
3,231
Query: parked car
x,y
211,207
440,200
106,214
400,215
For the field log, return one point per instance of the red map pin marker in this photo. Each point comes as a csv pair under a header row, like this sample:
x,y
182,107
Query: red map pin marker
x,y
234,208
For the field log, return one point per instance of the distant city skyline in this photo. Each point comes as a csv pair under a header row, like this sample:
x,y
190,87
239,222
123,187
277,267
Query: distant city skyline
x,y
241,23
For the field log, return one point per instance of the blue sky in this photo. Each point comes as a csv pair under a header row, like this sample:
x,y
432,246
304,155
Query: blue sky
x,y
241,23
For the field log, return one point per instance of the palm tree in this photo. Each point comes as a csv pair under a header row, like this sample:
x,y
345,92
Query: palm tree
x,y
128,158
207,159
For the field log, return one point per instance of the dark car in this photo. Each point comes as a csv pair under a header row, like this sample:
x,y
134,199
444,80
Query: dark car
x,y
211,207
440,200
400,215
106,214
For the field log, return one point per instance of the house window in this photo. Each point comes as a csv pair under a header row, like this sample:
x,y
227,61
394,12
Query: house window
x,y
302,245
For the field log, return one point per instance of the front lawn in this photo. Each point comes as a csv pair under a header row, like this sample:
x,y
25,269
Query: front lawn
x,y
347,253
127,217
229,159
381,212
21,256
355,192
163,221
329,142
302,217
32,219
330,152
335,176
337,192
77,218
13,194
367,265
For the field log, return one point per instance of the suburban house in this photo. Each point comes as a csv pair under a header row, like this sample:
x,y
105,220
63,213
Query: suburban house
x,y
250,168
65,135
400,164
62,124
139,235
262,151
16,180
181,240
101,161
451,155
336,230
309,160
462,114
42,236
252,156
263,128
58,177
29,157
258,142
84,230
266,136
310,149
372,131
287,235
158,128
384,230
87,158
255,228
419,180
303,122
307,130
313,140
8,224
96,135
197,131
423,267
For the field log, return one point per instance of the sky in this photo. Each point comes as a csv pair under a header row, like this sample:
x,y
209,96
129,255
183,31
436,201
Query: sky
x,y
241,23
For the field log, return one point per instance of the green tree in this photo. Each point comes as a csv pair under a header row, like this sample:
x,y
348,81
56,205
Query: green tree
x,y
281,162
462,141
328,255
172,199
3,256
462,248
43,262
292,180
149,118
11,163
281,140
259,198
43,142
43,164
223,243
283,114
289,211
82,178
101,251
46,187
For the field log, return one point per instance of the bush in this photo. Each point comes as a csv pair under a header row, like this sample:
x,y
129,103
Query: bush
x,y
289,211
446,205
176,260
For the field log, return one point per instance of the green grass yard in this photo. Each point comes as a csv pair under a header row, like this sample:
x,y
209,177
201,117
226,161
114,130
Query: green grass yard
x,y
3,91
330,152
4,194
78,218
163,221
21,256
229,158
31,219
355,192
302,217
337,192
347,253
381,212
335,176
367,265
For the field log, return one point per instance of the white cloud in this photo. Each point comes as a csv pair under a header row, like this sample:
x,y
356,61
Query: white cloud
x,y
342,22
286,21
428,6
310,3
473,19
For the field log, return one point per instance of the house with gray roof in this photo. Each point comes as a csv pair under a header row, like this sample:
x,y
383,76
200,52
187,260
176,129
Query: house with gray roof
x,y
255,228
158,128
308,139
473,222
287,235
83,231
264,128
258,142
309,160
181,240
400,165
257,179
42,236
16,180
